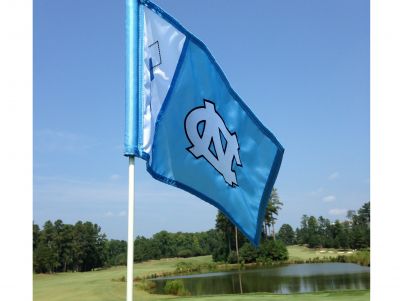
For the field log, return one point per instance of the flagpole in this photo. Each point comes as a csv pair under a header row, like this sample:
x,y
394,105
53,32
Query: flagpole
x,y
237,247
132,85
131,216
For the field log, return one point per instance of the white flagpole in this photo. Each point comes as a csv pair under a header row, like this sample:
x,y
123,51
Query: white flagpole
x,y
132,82
131,216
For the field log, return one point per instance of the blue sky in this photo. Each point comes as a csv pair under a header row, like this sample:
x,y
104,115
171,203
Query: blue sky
x,y
301,66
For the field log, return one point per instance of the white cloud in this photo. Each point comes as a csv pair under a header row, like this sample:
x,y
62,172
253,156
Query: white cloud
x,y
334,176
72,191
115,177
337,211
48,140
317,191
64,190
112,214
328,198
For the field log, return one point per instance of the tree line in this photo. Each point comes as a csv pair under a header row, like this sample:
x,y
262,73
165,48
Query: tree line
x,y
166,245
354,233
314,232
59,247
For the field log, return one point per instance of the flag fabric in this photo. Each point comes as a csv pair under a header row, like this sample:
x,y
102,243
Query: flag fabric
x,y
192,128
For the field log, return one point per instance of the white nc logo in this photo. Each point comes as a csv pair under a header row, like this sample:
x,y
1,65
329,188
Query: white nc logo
x,y
210,139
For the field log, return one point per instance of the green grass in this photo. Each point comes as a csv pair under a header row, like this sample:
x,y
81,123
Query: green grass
x,y
88,286
362,295
101,285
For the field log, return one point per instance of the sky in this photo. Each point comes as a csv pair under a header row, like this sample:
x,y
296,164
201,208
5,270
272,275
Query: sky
x,y
301,66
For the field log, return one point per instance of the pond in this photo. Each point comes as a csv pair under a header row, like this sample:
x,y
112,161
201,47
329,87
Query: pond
x,y
294,278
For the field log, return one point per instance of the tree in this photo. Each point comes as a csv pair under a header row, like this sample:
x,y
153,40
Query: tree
x,y
297,236
226,229
220,251
46,256
35,236
364,215
223,224
63,241
273,207
166,244
88,246
116,252
312,229
324,232
350,214
248,253
346,235
286,234
360,230
274,250
302,235
339,235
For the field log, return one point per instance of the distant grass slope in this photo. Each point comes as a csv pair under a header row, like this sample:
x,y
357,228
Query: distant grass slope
x,y
304,253
166,265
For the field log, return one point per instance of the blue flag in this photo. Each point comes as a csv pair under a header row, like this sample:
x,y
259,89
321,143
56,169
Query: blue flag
x,y
186,121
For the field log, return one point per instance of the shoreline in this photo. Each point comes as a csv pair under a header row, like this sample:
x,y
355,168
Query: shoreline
x,y
215,267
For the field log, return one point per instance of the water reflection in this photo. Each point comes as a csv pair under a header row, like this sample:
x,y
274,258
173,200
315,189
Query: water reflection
x,y
298,278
